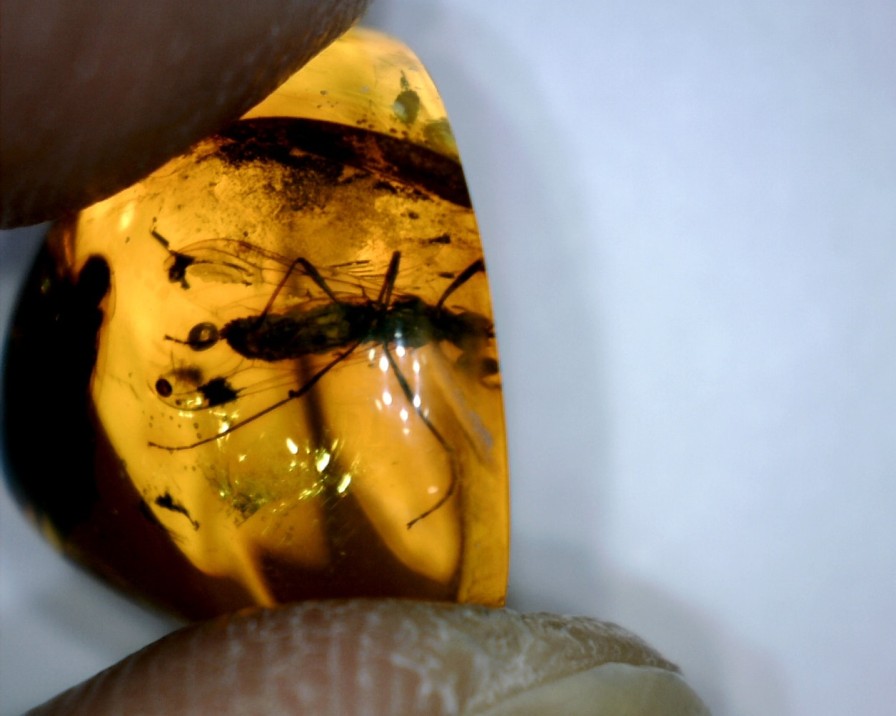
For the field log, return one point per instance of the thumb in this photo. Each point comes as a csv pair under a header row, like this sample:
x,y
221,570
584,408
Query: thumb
x,y
96,95
389,657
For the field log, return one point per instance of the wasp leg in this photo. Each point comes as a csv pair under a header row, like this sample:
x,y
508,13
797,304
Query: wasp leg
x,y
449,450
385,289
292,395
315,276
476,267
300,262
389,280
312,273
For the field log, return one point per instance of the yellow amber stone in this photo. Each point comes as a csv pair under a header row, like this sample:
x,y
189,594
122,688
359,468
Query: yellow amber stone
x,y
268,371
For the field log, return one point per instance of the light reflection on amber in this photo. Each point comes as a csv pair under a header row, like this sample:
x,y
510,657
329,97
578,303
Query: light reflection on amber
x,y
323,459
127,215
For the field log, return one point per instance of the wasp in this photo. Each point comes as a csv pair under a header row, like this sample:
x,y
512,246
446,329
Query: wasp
x,y
335,329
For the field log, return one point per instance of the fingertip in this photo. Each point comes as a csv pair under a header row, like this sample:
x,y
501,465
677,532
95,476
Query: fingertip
x,y
96,95
387,657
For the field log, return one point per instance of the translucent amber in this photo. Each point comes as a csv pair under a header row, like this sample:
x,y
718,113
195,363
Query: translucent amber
x,y
268,372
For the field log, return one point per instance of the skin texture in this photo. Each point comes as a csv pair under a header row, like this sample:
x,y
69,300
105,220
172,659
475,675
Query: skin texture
x,y
389,657
93,96
98,94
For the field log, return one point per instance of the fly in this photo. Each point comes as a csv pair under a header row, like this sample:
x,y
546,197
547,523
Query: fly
x,y
339,327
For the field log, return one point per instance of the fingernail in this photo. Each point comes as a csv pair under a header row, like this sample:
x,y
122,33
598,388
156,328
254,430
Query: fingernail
x,y
390,657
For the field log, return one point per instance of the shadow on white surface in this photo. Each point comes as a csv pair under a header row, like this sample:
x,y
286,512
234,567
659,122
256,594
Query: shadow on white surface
x,y
689,217
726,669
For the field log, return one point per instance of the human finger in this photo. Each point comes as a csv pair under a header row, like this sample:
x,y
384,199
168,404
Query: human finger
x,y
97,94
380,657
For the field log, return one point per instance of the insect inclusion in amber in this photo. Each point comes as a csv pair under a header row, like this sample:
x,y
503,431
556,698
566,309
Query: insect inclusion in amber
x,y
269,369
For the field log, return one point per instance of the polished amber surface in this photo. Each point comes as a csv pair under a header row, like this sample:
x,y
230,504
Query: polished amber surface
x,y
268,372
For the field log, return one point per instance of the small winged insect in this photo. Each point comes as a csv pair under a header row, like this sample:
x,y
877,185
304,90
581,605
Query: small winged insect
x,y
333,327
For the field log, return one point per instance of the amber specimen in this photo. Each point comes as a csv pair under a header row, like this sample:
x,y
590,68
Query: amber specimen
x,y
268,371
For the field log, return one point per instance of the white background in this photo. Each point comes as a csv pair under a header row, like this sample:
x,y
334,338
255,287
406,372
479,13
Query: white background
x,y
689,214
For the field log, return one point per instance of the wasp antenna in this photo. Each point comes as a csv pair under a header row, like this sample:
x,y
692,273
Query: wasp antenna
x,y
161,239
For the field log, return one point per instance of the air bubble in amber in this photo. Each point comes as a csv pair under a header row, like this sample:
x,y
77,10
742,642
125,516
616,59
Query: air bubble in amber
x,y
268,372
